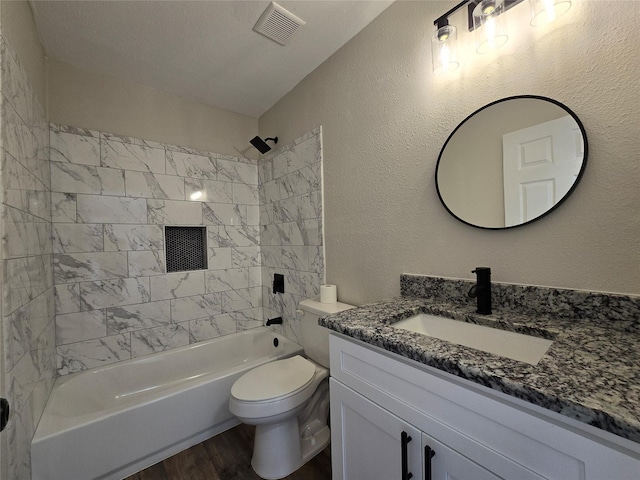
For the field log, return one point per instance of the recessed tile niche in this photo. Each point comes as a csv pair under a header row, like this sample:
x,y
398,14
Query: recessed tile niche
x,y
186,248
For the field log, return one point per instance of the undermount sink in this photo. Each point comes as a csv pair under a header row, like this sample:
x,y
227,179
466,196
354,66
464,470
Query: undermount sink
x,y
516,346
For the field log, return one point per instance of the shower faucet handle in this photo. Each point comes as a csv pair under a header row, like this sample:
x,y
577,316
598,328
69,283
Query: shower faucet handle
x,y
278,283
4,413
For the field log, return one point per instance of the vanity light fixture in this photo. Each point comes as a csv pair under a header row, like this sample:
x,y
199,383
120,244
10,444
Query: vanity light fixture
x,y
484,17
490,28
444,48
546,11
444,43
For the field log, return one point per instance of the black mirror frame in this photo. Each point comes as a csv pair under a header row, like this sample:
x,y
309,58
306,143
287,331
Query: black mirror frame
x,y
560,202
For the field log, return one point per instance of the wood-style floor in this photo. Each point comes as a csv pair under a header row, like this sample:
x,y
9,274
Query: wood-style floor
x,y
227,457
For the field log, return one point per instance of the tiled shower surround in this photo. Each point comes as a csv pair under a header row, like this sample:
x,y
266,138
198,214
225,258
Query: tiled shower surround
x,y
28,337
291,236
112,196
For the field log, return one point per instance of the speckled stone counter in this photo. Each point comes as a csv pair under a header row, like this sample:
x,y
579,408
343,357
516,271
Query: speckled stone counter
x,y
590,373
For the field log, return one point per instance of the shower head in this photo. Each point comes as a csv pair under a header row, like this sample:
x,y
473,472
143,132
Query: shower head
x,y
261,145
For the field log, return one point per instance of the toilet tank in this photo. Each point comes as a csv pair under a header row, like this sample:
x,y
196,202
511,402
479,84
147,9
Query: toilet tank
x,y
315,339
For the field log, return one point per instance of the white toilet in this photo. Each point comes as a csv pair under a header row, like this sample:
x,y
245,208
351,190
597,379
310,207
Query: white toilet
x,y
288,400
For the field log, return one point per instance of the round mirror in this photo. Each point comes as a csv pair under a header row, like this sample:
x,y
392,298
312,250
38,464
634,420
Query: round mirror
x,y
511,162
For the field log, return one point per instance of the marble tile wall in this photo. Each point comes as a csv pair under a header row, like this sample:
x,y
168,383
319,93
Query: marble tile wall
x,y
111,198
291,227
83,277
28,333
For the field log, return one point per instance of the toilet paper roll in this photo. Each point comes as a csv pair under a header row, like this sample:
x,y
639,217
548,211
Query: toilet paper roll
x,y
328,294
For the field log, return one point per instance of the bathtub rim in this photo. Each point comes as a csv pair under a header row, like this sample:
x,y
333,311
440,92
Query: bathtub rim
x,y
51,424
192,346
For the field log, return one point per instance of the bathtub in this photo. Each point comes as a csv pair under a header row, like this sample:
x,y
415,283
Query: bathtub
x,y
110,422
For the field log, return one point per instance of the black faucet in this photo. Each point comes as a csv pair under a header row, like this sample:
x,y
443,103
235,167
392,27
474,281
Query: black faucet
x,y
274,321
482,290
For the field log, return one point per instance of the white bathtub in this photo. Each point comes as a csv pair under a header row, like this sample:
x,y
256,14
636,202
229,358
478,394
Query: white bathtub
x,y
110,422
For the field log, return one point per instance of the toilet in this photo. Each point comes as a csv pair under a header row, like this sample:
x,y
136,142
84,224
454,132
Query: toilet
x,y
288,400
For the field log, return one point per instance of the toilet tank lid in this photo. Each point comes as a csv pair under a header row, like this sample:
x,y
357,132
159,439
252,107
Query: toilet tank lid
x,y
323,309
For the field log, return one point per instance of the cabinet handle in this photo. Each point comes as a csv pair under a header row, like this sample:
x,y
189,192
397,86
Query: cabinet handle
x,y
428,455
404,440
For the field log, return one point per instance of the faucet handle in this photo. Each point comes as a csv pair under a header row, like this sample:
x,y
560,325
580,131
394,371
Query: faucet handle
x,y
475,289
481,270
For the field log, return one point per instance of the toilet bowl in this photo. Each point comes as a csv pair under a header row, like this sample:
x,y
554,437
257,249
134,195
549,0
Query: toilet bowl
x,y
288,400
271,397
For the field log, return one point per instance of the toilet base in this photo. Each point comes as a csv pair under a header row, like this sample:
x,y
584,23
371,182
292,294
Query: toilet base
x,y
288,438
279,451
281,448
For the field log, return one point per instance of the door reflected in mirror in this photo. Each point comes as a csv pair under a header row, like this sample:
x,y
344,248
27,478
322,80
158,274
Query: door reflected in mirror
x,y
511,162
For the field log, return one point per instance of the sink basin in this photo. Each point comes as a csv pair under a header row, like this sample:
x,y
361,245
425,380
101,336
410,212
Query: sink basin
x,y
516,346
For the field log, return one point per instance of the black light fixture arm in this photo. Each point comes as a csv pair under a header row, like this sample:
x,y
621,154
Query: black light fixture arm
x,y
443,20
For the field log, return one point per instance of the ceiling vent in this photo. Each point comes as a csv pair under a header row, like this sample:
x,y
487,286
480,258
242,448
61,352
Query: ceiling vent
x,y
278,24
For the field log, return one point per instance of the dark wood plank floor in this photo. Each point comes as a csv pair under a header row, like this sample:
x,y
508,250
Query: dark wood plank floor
x,y
227,457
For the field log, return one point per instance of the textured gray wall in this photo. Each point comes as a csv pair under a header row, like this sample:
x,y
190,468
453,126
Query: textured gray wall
x,y
385,117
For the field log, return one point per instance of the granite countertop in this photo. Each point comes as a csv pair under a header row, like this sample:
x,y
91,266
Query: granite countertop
x,y
590,373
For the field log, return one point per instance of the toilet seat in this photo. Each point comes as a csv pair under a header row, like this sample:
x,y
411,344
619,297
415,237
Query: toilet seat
x,y
279,388
274,381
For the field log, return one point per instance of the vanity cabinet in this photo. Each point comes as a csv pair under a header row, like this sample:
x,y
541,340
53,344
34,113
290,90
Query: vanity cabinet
x,y
371,438
474,433
374,444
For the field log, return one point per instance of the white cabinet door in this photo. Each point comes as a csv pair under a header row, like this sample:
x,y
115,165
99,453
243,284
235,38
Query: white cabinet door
x,y
367,440
447,464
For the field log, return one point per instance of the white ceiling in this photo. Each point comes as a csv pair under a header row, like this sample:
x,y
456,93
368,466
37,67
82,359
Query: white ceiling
x,y
203,50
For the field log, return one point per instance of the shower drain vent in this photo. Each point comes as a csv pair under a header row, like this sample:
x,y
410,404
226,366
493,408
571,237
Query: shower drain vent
x,y
278,24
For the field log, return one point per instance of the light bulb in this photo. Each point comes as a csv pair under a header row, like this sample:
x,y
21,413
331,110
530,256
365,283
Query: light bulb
x,y
488,10
444,49
489,25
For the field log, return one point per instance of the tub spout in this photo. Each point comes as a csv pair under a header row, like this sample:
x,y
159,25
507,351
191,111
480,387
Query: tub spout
x,y
482,290
274,321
